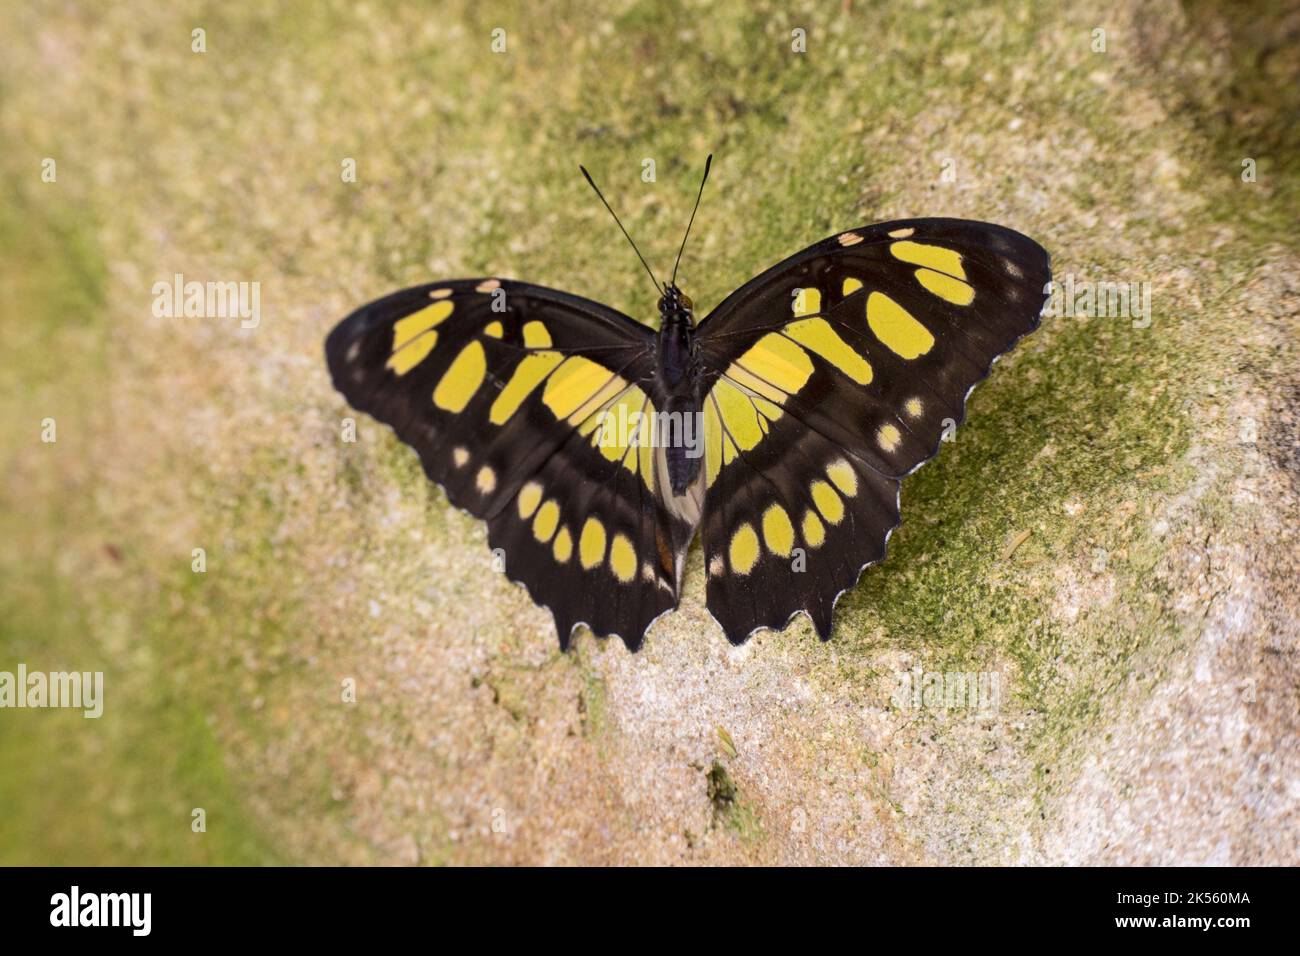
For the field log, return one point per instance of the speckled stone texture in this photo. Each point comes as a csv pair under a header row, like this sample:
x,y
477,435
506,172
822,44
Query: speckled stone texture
x,y
348,680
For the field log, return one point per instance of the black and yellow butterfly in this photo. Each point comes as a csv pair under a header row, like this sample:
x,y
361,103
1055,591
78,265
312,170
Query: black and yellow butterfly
x,y
781,426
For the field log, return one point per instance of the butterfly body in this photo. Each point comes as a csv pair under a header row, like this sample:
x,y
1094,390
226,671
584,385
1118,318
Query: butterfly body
x,y
794,409
678,384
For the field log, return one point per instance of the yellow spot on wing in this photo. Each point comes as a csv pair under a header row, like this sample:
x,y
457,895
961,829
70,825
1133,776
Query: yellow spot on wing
x,y
412,353
624,432
844,477
818,335
769,411
405,330
563,547
814,532
536,336
849,238
591,544
901,233
779,362
888,436
527,375
462,380
896,328
622,558
488,285
485,480
579,387
739,417
544,524
778,533
530,496
932,257
807,302
743,551
946,287
620,426
440,294
743,376
713,441
646,453
494,330
460,456
913,407
827,502
851,285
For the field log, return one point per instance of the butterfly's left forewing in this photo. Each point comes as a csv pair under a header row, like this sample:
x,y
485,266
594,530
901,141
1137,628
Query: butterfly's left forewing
x,y
830,377
503,388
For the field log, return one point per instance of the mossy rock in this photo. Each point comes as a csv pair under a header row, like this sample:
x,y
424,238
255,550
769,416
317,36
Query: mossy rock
x,y
349,681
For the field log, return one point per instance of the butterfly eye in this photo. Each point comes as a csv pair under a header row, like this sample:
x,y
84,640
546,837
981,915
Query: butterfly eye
x,y
688,301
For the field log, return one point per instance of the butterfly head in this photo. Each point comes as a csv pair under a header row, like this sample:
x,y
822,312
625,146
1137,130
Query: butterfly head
x,y
675,303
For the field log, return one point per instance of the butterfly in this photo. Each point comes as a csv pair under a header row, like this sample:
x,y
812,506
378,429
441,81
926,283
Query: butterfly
x,y
779,428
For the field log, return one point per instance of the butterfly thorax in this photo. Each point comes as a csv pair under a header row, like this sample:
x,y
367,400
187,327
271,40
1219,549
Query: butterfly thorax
x,y
676,338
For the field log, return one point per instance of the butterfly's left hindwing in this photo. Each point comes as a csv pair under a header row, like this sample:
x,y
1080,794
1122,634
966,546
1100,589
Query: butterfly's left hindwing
x,y
501,387
830,377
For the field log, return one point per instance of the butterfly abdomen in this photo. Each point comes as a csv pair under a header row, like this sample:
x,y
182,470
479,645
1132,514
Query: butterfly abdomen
x,y
680,433
682,438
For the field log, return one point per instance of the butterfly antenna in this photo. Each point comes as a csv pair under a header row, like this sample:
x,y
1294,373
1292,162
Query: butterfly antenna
x,y
648,270
707,163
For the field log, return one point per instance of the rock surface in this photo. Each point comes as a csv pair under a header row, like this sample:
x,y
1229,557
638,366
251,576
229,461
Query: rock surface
x,y
347,680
